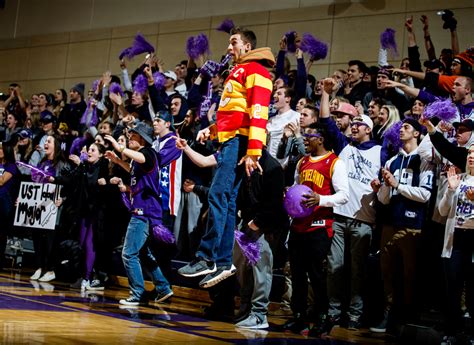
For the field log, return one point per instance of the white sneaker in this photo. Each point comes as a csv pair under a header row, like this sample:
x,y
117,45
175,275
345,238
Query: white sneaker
x,y
36,275
48,276
253,322
47,287
84,285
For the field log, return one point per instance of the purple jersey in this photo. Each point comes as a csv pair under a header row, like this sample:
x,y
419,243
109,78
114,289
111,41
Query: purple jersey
x,y
145,188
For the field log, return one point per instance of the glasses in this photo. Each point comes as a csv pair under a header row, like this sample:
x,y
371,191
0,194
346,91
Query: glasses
x,y
312,135
358,124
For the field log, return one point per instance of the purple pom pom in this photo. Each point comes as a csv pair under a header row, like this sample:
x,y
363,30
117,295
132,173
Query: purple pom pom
x,y
37,175
125,53
115,88
77,146
93,120
290,41
140,45
140,84
387,41
162,234
293,199
159,80
197,46
226,26
443,109
83,157
392,135
250,248
95,84
316,49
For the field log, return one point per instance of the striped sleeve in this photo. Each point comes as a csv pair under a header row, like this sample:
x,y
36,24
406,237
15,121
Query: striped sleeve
x,y
259,88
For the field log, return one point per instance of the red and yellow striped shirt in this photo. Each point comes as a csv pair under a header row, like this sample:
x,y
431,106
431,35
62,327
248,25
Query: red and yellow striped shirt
x,y
243,108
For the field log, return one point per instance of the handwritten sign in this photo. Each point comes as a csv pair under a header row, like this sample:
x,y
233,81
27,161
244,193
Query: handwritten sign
x,y
36,207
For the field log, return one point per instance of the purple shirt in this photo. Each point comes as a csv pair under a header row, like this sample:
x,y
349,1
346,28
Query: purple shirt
x,y
12,183
145,188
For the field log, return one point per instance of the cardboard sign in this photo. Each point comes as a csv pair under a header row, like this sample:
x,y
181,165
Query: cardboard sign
x,y
36,205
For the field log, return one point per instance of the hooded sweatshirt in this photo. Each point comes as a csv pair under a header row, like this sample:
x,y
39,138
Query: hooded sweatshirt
x,y
408,202
243,109
363,162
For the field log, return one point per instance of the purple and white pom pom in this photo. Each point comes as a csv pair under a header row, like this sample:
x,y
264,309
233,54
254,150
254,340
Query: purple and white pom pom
x,y
316,49
250,248
226,26
95,84
125,53
443,109
387,41
197,46
140,45
161,233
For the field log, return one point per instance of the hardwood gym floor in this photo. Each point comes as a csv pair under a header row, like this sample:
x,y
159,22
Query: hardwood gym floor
x,y
52,313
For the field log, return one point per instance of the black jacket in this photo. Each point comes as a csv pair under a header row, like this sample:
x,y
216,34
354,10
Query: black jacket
x,y
261,196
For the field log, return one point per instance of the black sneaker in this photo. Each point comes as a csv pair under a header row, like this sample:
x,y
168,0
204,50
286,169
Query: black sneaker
x,y
353,325
197,268
382,326
295,325
131,302
95,285
161,297
217,276
331,322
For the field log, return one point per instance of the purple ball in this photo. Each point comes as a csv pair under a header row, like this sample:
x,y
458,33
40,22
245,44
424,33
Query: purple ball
x,y
293,199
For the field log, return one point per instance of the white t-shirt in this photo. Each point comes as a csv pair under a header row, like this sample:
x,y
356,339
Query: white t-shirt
x,y
275,131
362,167
464,206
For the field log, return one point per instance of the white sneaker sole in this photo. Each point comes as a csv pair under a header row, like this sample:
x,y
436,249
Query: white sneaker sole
x,y
198,274
164,298
216,280
378,330
261,326
129,304
90,288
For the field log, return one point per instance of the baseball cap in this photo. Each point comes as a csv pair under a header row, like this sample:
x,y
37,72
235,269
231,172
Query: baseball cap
x,y
25,133
47,117
346,108
365,120
167,117
414,123
171,75
468,123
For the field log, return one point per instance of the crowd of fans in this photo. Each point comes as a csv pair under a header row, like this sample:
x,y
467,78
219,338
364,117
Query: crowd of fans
x,y
390,184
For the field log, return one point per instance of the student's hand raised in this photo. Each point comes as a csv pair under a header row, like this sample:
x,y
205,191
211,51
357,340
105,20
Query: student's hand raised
x,y
454,180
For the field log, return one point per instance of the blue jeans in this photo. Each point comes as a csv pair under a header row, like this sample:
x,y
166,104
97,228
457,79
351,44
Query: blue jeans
x,y
217,243
135,240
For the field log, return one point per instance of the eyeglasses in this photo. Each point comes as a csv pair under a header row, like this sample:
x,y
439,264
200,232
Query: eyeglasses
x,y
358,124
312,135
